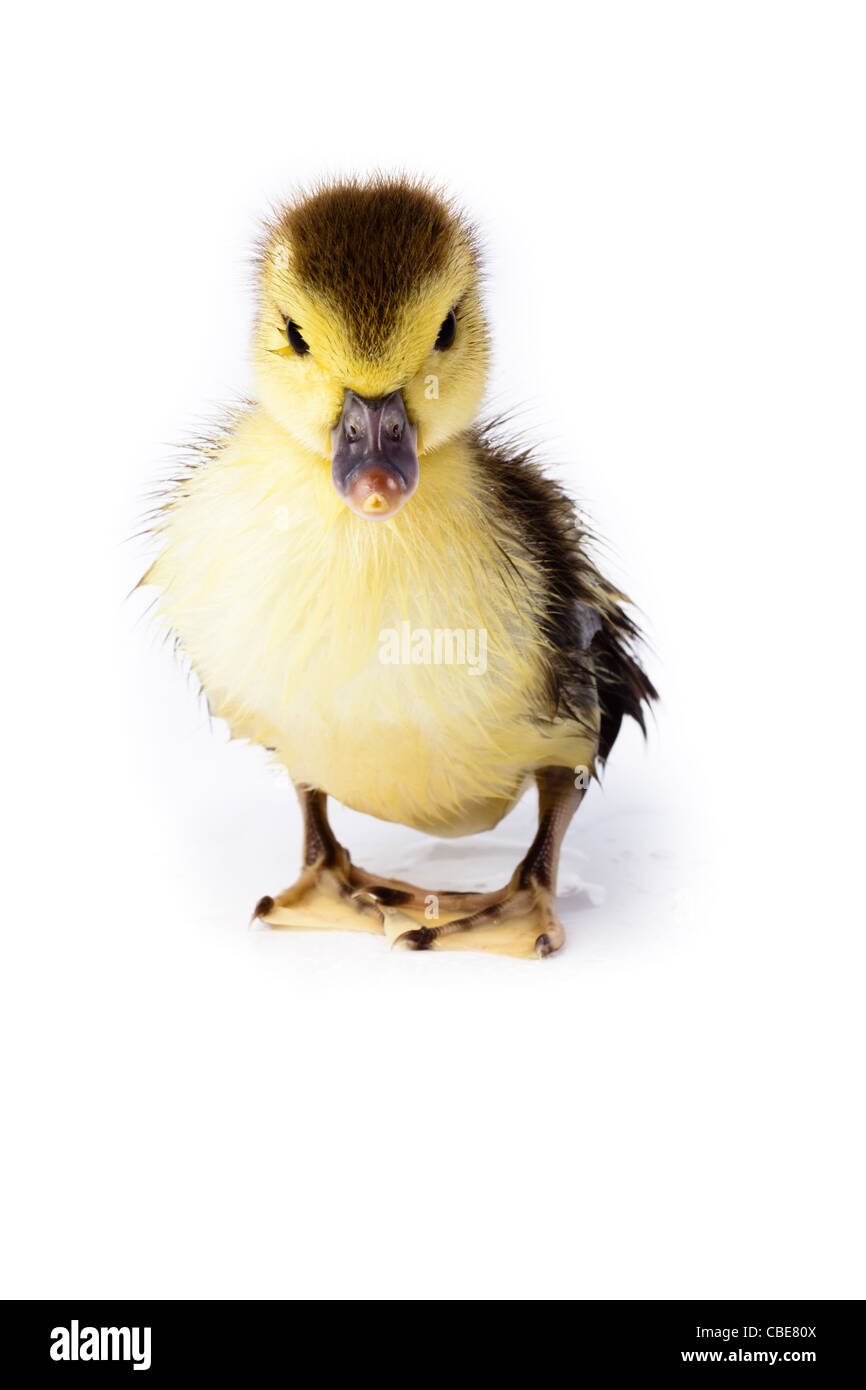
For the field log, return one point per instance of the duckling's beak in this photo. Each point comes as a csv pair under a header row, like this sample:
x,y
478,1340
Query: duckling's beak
x,y
374,455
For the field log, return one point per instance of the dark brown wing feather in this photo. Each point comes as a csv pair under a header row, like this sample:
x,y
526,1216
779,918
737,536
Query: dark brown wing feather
x,y
591,635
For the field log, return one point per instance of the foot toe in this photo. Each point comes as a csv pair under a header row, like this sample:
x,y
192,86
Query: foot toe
x,y
421,939
390,897
544,946
365,900
262,907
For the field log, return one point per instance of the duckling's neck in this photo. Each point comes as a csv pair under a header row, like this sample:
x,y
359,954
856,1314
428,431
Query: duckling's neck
x,y
447,501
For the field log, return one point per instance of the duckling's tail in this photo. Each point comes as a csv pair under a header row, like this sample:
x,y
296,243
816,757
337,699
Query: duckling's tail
x,y
624,688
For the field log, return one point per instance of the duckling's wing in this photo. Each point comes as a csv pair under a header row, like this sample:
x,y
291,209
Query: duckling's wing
x,y
587,630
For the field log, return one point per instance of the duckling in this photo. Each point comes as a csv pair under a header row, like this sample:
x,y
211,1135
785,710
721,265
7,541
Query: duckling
x,y
393,600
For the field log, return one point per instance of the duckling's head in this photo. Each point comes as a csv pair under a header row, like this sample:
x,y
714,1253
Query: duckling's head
x,y
371,346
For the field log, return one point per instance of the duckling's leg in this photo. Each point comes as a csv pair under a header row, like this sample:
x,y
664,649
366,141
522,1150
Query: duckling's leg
x,y
331,891
323,895
522,920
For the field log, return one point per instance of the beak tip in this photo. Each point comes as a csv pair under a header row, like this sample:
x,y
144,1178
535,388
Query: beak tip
x,y
375,503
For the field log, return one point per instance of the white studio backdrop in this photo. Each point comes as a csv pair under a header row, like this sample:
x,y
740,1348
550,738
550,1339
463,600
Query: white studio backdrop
x,y
672,201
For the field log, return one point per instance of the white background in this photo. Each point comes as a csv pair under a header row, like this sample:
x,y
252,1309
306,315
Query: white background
x,y
672,197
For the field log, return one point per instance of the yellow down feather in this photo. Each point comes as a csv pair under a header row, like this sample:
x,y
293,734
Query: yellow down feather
x,y
279,595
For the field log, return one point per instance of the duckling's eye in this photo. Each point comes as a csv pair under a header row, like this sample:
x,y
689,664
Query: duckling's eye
x,y
296,338
447,332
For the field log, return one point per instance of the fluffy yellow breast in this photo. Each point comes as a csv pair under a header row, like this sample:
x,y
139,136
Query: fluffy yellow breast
x,y
398,666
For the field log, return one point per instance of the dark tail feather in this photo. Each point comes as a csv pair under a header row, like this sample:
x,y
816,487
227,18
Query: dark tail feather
x,y
624,688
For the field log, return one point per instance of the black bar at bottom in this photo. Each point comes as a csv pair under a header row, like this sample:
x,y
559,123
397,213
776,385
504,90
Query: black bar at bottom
x,y
250,1338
